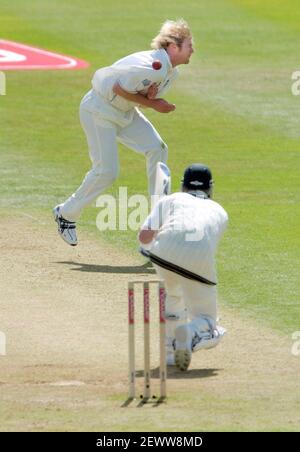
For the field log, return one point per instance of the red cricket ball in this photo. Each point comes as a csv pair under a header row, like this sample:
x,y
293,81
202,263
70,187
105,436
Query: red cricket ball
x,y
156,65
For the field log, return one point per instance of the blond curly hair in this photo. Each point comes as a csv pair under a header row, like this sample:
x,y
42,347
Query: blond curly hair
x,y
171,31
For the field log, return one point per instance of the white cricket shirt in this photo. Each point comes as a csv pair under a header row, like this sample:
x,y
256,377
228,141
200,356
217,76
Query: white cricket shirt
x,y
135,74
189,230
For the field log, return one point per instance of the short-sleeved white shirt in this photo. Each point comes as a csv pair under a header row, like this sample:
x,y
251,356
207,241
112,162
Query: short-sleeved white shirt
x,y
135,74
189,230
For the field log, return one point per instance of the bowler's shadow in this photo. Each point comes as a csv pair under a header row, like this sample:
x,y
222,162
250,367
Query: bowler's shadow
x,y
174,373
128,269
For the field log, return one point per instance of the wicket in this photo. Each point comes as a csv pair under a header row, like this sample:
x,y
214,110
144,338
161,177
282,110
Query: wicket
x,y
131,337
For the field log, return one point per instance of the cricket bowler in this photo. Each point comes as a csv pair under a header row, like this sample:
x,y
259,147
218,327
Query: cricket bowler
x,y
110,114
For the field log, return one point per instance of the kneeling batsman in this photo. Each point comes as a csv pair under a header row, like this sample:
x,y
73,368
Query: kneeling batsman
x,y
180,237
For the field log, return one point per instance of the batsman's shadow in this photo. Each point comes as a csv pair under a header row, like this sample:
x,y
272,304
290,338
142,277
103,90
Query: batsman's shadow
x,y
174,373
92,268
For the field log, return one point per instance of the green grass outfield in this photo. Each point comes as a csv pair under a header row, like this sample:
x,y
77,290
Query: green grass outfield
x,y
235,112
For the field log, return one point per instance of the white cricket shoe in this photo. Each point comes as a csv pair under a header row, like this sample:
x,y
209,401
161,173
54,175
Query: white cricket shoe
x,y
205,341
183,359
183,352
66,229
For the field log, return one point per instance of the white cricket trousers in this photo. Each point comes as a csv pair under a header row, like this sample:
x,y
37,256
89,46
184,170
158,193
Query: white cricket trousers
x,y
186,300
102,137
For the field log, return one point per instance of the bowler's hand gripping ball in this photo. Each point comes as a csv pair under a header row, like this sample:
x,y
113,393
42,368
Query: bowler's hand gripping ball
x,y
156,65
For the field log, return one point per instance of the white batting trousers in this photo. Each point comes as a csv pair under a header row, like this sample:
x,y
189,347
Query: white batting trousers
x,y
102,137
186,300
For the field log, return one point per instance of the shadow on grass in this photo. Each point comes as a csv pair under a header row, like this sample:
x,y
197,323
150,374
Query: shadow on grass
x,y
174,373
142,401
128,269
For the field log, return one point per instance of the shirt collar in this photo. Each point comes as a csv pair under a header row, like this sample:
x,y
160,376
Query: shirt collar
x,y
198,194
